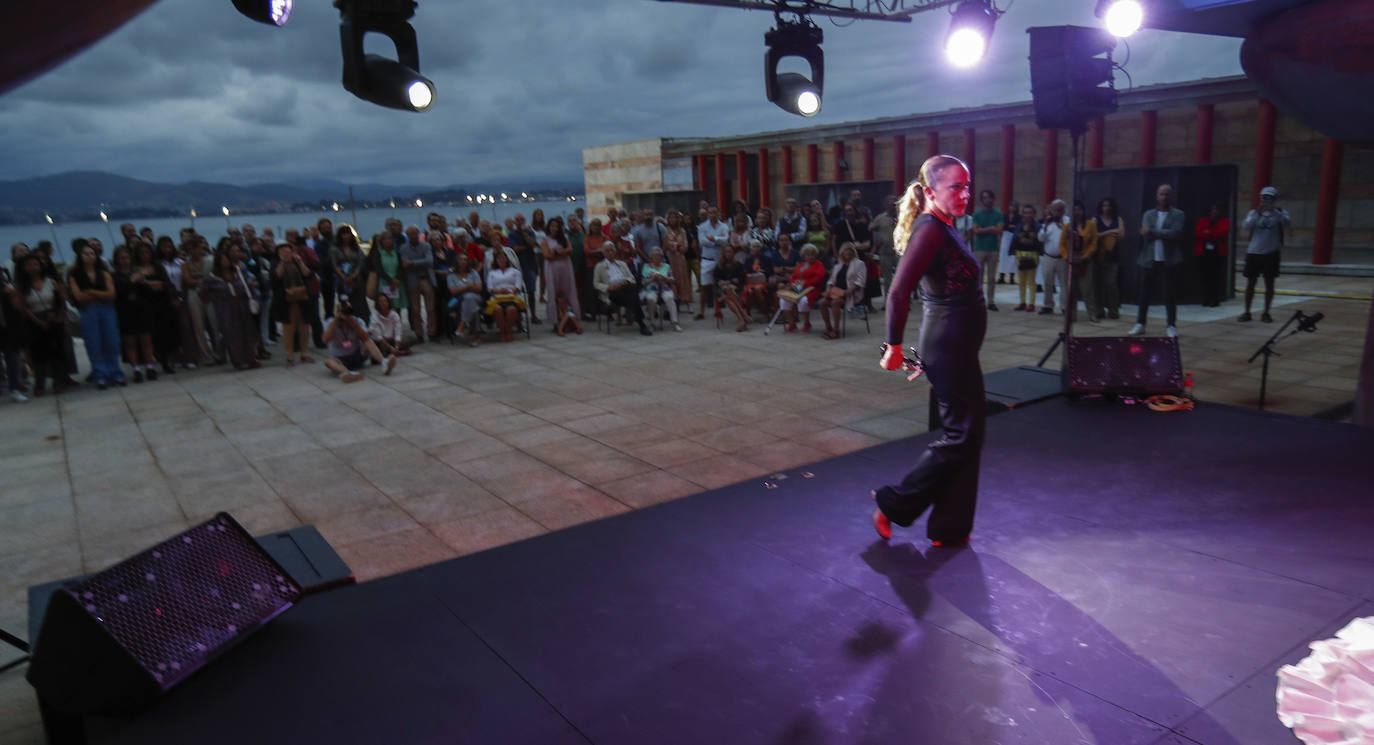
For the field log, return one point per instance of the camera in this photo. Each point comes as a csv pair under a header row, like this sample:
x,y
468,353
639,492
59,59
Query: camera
x,y
345,308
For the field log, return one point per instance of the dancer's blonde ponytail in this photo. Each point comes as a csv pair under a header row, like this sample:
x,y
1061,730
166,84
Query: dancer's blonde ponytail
x,y
913,201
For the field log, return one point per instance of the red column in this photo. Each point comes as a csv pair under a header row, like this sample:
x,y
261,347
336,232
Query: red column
x,y
701,172
1264,149
813,163
1325,229
722,196
786,164
1206,114
839,159
765,188
932,144
868,159
1049,182
1149,123
898,164
741,177
1097,134
1008,163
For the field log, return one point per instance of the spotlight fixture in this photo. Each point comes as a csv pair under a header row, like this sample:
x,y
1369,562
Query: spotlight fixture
x,y
274,12
1122,17
970,30
790,91
397,83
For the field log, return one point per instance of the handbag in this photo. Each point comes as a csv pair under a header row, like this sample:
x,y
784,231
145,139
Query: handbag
x,y
297,294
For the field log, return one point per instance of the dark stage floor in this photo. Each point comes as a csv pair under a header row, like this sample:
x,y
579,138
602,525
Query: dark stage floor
x,y
1133,578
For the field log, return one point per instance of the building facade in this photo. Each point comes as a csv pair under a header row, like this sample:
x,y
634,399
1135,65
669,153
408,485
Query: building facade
x,y
1328,188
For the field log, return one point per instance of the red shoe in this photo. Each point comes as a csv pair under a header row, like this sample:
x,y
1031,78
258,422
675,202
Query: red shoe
x,y
806,329
950,544
882,524
1022,306
1030,308
791,328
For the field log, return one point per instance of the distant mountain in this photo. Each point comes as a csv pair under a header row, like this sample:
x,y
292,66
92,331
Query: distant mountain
x,y
79,195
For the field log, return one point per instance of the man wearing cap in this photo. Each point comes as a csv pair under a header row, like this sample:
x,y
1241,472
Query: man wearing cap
x,y
1266,225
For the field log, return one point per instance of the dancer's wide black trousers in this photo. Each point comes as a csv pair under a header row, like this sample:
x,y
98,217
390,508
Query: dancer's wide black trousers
x,y
945,478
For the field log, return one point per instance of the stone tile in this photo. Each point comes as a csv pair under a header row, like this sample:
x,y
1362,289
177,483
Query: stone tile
x,y
56,488
649,488
574,507
499,466
28,527
473,448
600,423
394,552
718,471
487,530
204,493
539,438
836,441
565,412
638,435
507,424
779,455
673,452
107,549
274,442
261,518
361,525
457,500
319,485
578,448
526,485
608,467
736,438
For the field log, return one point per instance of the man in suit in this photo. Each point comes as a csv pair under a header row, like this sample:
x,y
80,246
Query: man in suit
x,y
1161,253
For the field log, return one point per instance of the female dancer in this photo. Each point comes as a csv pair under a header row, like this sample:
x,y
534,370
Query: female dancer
x,y
946,474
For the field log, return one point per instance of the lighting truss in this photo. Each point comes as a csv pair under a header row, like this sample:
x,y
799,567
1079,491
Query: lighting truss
x,y
899,11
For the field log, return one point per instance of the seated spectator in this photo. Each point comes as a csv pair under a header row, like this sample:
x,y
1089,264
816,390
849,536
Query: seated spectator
x,y
658,282
349,345
615,285
844,290
784,260
804,288
758,267
465,298
506,284
730,279
388,332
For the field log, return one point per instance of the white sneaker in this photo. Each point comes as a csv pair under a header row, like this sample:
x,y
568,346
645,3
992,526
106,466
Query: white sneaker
x,y
1171,332
1137,329
18,397
677,327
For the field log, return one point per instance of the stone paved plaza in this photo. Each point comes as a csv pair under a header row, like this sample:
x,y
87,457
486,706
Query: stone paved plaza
x,y
464,449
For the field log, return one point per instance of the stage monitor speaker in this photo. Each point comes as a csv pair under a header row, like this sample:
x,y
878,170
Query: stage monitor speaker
x,y
1130,365
116,641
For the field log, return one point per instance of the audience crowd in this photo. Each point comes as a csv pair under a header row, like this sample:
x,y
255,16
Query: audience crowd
x,y
155,304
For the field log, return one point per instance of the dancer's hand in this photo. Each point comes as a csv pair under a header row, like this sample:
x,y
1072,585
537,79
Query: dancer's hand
x,y
892,357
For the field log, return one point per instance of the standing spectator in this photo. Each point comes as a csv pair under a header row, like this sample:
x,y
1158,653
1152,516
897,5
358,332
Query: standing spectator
x,y
350,269
321,242
1106,293
1210,250
843,291
290,285
818,235
849,229
157,292
93,290
1054,267
134,314
1266,226
1006,262
384,271
193,271
988,223
350,347
264,254
658,287
714,235
881,228
675,247
1078,244
647,235
1160,254
302,248
235,297
764,231
522,241
577,238
12,336
558,277
616,286
417,263
42,302
1028,250
856,200
441,252
741,233
793,222
464,287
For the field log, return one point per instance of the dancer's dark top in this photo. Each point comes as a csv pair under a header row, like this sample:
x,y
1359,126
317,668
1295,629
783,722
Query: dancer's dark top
x,y
937,258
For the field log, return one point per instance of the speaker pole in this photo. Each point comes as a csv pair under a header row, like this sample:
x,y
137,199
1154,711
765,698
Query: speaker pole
x,y
1071,307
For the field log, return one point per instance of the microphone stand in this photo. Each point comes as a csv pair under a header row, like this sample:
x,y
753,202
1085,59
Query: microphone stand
x,y
1267,349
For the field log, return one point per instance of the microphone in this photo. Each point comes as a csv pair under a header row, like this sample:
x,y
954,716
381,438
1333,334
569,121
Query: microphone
x,y
1309,323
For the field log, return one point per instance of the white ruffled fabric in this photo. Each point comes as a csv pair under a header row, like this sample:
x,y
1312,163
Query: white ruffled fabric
x,y
1328,697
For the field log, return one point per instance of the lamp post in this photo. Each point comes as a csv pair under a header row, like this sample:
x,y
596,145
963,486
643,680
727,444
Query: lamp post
x,y
227,226
106,219
52,227
193,218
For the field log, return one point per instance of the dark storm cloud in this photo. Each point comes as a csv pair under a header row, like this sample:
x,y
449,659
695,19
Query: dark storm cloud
x,y
192,90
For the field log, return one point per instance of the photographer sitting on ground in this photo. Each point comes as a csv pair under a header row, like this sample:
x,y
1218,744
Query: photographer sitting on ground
x,y
349,345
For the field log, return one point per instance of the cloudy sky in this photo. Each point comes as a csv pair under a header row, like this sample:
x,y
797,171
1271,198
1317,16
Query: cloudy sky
x,y
191,90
